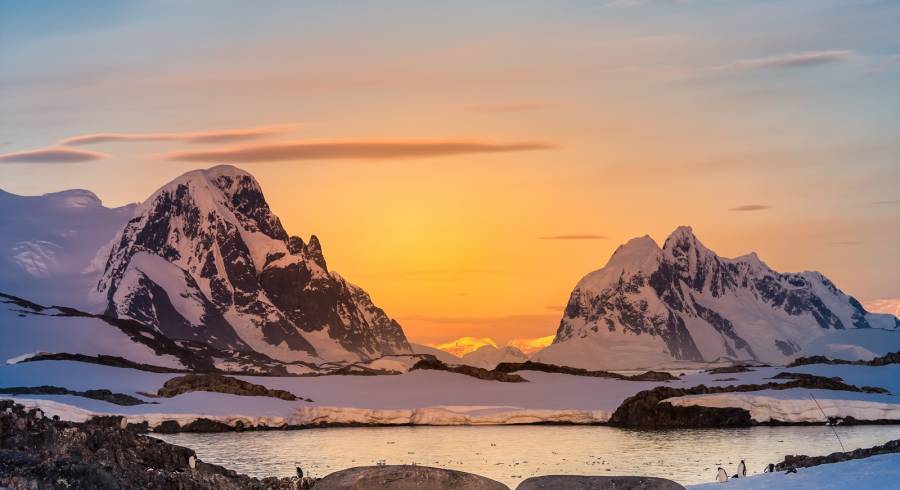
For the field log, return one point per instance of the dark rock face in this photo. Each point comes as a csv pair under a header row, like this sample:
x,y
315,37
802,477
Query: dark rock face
x,y
802,461
510,367
657,292
405,477
232,277
575,482
219,384
889,358
104,395
476,372
39,453
647,409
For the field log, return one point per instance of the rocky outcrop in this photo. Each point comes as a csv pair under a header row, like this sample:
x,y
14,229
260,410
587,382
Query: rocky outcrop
x,y
576,482
647,409
104,395
511,367
890,358
217,383
480,373
405,477
802,461
40,453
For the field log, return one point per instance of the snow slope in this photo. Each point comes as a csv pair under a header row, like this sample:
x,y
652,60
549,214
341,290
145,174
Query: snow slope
x,y
443,398
47,244
880,472
682,302
488,356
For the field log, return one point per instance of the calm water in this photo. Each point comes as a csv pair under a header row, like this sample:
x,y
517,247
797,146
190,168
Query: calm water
x,y
512,453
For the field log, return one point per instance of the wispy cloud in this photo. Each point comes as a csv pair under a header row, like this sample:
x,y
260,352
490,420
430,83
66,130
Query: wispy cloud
x,y
510,107
751,207
790,60
643,3
555,307
51,155
847,242
360,150
582,236
887,202
214,136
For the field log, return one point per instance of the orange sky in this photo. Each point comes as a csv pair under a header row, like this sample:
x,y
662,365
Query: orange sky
x,y
467,164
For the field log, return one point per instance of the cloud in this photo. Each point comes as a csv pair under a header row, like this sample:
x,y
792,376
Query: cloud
x,y
465,345
643,3
531,345
887,202
216,136
790,60
351,150
52,155
510,107
556,307
849,242
751,207
585,236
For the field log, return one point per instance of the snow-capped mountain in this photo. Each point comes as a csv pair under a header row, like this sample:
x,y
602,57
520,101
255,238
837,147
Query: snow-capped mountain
x,y
650,306
890,306
205,259
488,356
47,243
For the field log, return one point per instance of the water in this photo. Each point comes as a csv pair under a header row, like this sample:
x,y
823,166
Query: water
x,y
512,453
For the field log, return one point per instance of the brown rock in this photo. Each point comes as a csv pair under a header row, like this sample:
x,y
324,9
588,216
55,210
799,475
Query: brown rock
x,y
405,477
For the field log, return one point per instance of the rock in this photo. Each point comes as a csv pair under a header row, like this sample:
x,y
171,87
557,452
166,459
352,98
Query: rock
x,y
405,477
575,482
206,425
647,409
432,362
219,384
802,461
40,453
509,367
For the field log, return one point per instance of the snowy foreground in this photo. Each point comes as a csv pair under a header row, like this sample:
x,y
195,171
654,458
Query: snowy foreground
x,y
442,398
875,473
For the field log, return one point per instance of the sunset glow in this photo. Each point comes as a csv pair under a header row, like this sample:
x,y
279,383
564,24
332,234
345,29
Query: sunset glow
x,y
467,180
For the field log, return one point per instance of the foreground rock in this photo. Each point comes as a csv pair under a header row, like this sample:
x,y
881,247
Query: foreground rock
x,y
219,384
406,477
574,482
40,453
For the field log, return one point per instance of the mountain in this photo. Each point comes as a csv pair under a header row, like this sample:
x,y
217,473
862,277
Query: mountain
x,y
488,356
890,306
441,355
204,259
47,243
650,306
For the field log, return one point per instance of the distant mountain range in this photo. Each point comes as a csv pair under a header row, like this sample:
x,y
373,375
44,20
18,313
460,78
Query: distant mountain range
x,y
202,273
681,302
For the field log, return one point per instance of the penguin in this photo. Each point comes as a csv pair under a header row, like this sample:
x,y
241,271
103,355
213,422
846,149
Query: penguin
x,y
742,470
299,472
721,475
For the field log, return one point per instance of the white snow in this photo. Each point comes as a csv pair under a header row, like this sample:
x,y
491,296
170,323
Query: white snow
x,y
880,472
488,356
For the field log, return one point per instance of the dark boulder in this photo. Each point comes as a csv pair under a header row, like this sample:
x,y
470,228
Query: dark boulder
x,y
575,482
405,477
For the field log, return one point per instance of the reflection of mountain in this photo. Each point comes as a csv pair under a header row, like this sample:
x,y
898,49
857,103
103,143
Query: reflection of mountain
x,y
682,302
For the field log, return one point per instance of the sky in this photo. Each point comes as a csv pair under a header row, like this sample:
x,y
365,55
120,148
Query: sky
x,y
468,162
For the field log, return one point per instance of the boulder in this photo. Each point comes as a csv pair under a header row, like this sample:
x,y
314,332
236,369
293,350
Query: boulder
x,y
405,477
576,482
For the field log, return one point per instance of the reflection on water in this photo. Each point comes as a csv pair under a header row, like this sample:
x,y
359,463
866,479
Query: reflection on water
x,y
512,453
